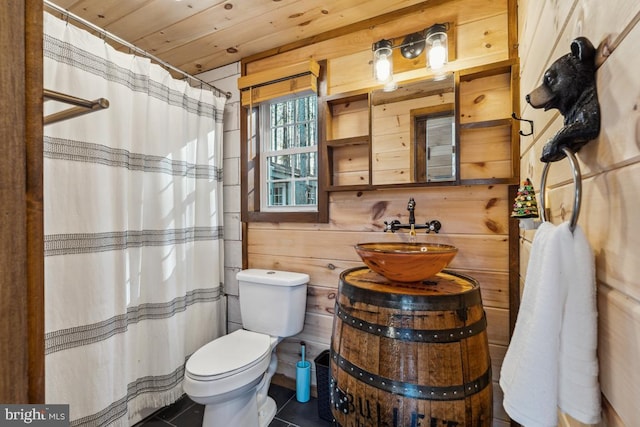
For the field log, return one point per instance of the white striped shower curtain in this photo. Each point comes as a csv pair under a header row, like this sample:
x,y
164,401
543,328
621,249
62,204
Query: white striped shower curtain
x,y
133,230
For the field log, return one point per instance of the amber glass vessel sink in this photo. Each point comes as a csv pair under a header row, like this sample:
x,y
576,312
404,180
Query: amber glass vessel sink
x,y
406,262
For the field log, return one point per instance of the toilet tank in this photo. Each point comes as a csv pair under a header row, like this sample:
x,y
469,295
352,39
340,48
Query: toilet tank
x,y
273,302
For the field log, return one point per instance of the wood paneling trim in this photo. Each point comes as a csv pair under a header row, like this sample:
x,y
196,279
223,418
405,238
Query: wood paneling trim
x,y
269,76
512,35
515,124
13,262
514,265
21,256
301,85
34,198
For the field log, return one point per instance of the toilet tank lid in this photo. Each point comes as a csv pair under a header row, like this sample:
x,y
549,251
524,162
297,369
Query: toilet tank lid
x,y
273,277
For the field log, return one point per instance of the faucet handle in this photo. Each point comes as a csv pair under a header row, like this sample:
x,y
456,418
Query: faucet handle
x,y
434,226
391,226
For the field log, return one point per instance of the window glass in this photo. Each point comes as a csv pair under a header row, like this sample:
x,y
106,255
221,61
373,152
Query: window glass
x,y
290,158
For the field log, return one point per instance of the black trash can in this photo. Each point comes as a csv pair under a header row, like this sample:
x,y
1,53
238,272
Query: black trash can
x,y
322,380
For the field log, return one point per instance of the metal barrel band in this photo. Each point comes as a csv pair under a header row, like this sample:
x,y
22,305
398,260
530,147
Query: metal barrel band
x,y
577,181
413,335
410,390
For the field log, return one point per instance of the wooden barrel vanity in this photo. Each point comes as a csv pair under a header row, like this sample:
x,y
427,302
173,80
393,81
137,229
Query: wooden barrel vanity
x,y
410,354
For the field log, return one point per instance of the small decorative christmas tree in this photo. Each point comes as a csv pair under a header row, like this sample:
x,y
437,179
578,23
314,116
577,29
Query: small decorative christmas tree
x,y
525,205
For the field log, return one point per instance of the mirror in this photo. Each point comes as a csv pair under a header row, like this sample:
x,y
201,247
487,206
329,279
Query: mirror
x,y
413,133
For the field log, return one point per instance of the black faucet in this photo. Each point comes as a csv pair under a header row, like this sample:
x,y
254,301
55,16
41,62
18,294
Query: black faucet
x,y
411,207
395,225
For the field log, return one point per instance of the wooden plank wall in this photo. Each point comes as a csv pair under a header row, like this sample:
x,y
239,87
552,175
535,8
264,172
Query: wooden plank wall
x,y
475,218
611,177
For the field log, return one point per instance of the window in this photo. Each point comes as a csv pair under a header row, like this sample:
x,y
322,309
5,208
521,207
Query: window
x,y
283,170
289,154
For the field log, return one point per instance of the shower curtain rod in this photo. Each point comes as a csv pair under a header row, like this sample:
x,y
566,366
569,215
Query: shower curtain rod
x,y
82,106
134,48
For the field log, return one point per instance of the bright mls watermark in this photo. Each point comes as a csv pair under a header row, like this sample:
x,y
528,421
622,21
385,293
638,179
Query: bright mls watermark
x,y
34,415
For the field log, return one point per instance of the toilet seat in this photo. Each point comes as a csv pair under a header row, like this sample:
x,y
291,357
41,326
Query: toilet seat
x,y
229,355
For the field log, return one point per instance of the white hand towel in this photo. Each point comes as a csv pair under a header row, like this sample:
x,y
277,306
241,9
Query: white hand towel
x,y
579,390
548,363
530,367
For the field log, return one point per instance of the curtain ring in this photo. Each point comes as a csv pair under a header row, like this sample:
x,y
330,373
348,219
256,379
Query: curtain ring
x,y
577,181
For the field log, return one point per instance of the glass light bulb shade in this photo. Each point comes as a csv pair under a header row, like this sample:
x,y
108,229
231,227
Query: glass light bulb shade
x,y
437,55
383,61
437,46
383,69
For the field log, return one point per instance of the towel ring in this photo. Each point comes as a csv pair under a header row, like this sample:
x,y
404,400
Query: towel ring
x,y
577,181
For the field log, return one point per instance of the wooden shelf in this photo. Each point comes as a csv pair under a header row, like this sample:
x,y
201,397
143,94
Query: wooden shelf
x,y
501,67
489,181
347,117
344,142
486,124
350,187
400,186
343,98
348,141
489,147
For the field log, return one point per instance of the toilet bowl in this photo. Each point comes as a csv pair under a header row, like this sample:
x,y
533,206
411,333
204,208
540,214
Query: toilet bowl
x,y
226,375
231,374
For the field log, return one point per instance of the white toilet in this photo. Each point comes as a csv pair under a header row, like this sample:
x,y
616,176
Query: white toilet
x,y
231,375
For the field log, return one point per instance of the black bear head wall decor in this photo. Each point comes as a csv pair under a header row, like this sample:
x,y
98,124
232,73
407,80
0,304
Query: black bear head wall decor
x,y
569,85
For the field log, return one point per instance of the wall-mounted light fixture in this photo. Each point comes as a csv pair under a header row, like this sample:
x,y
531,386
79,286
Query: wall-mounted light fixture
x,y
437,46
433,39
383,61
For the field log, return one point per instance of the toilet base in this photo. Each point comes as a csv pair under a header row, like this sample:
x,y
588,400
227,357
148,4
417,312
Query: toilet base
x,y
267,412
242,411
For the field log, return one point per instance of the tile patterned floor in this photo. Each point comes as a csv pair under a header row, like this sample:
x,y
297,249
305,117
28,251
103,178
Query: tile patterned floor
x,y
291,413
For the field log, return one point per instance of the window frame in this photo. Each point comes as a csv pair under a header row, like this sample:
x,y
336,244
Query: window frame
x,y
250,167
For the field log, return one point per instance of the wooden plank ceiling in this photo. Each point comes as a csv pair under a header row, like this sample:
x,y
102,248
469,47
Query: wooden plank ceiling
x,y
199,35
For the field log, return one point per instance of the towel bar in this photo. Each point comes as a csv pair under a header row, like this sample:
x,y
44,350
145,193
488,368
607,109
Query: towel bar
x,y
577,181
